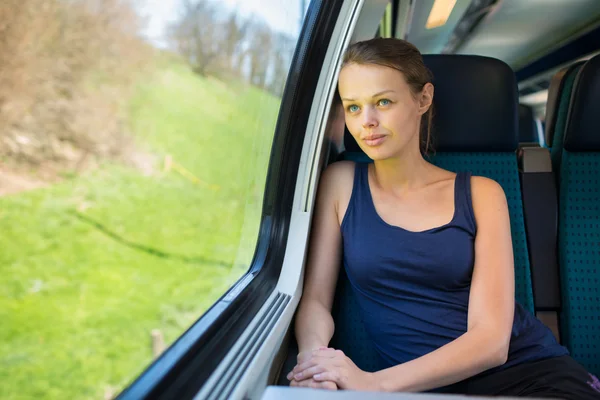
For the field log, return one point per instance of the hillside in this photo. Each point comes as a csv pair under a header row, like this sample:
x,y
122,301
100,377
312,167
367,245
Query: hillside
x,y
92,264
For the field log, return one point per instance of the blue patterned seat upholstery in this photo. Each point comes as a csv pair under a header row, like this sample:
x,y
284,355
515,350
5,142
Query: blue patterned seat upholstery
x,y
501,167
559,98
579,219
350,334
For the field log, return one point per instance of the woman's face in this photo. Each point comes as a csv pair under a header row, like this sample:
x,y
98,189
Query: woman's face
x,y
381,112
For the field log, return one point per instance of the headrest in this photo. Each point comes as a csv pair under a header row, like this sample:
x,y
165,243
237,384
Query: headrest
x,y
475,105
527,127
560,89
583,125
475,102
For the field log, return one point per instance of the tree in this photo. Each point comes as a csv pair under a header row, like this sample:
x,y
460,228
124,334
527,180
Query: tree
x,y
259,52
283,47
212,41
198,35
235,32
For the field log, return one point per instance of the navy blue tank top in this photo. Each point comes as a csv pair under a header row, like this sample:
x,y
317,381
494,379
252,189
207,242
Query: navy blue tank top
x,y
412,288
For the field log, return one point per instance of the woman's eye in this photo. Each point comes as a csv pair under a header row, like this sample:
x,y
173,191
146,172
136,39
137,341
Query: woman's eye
x,y
353,108
384,102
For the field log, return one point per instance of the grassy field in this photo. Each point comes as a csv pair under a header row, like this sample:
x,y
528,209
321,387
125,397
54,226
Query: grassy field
x,y
91,265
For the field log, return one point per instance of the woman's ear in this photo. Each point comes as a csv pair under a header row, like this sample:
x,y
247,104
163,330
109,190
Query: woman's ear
x,y
426,98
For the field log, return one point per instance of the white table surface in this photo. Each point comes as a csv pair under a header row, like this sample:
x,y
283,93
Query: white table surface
x,y
290,393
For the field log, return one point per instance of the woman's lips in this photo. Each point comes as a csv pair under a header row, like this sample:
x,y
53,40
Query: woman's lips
x,y
374,140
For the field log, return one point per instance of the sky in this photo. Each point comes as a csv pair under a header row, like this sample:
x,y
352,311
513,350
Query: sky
x,y
280,15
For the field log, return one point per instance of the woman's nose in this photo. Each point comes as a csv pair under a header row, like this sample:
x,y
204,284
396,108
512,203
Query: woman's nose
x,y
369,119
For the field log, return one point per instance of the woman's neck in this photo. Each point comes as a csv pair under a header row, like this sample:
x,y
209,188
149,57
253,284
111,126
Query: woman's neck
x,y
407,171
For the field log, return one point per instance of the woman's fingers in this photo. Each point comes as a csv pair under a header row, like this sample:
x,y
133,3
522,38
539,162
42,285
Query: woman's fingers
x,y
330,376
311,383
314,361
309,372
298,369
318,357
329,385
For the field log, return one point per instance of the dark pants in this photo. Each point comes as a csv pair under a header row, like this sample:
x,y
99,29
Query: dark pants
x,y
559,377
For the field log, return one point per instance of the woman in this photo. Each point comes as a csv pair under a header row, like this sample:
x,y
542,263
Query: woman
x,y
428,253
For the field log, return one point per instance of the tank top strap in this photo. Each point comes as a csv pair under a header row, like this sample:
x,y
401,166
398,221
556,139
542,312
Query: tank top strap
x,y
361,187
463,203
358,199
361,175
361,206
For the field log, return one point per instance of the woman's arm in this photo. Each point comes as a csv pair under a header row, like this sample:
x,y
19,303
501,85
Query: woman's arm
x,y
314,323
491,308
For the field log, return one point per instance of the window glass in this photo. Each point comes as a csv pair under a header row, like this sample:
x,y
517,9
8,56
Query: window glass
x,y
385,27
134,143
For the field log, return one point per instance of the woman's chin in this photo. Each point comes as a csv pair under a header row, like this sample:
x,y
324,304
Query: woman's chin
x,y
378,154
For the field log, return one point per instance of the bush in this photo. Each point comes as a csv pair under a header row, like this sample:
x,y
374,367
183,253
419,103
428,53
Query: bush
x,y
64,65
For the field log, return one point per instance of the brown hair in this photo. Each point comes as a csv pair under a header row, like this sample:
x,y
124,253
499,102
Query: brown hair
x,y
401,56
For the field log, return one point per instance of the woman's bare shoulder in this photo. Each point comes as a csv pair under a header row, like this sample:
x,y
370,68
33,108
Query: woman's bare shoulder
x,y
339,173
487,196
484,188
336,184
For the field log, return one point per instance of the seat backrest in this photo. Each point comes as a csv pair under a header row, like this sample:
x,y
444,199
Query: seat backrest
x,y
528,132
474,129
557,107
579,219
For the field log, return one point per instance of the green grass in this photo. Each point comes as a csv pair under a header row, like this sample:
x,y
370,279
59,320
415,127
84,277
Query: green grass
x,y
91,265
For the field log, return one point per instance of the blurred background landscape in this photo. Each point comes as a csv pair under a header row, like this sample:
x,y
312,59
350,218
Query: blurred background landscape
x,y
134,143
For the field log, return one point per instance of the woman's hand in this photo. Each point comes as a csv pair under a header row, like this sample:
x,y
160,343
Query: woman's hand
x,y
311,383
329,365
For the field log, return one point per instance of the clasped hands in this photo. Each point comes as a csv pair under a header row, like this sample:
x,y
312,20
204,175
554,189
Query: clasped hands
x,y
327,368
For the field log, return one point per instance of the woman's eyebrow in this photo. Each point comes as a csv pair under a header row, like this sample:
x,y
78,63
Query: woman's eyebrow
x,y
375,95
382,92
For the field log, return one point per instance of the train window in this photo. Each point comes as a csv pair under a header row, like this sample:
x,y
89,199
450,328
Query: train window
x,y
385,27
134,144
